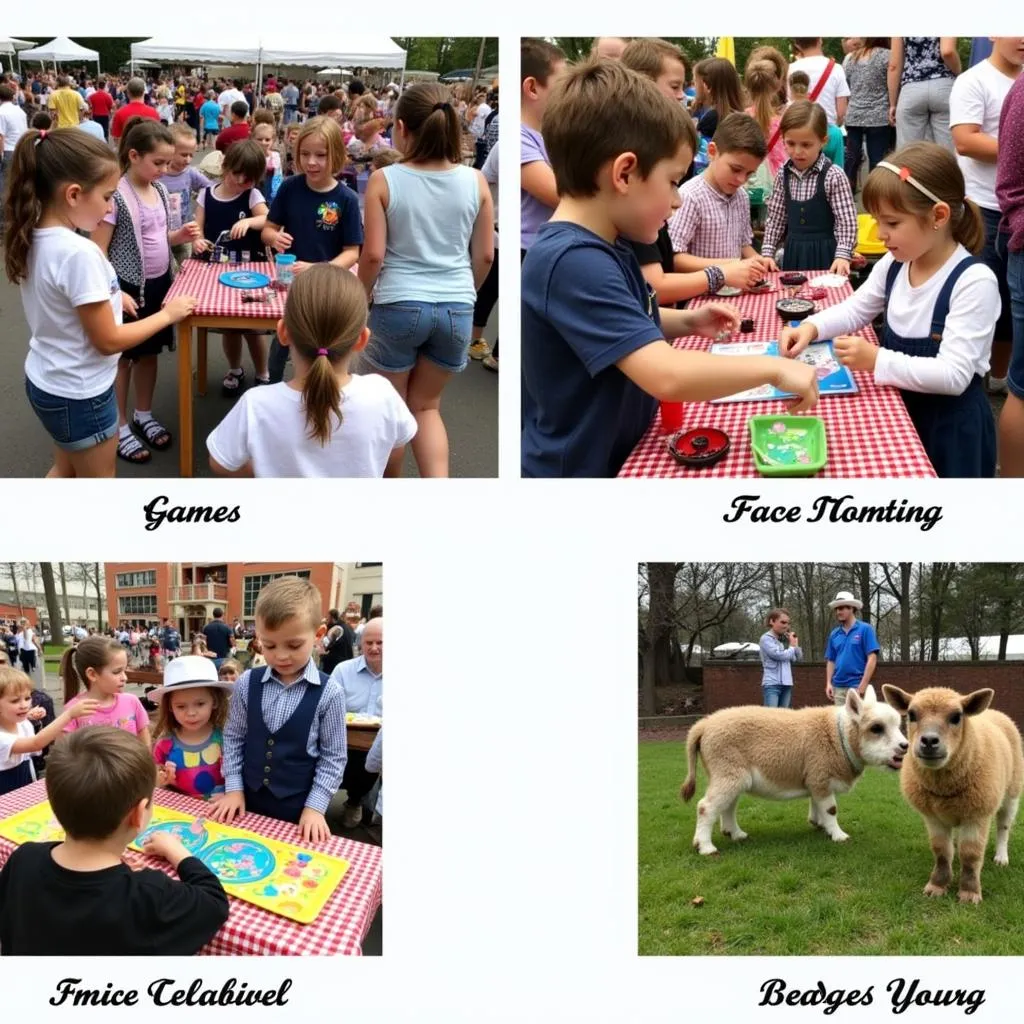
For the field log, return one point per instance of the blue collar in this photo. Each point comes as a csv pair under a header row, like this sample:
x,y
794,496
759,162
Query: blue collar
x,y
855,762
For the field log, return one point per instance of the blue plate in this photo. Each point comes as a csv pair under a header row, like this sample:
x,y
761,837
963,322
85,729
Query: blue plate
x,y
244,279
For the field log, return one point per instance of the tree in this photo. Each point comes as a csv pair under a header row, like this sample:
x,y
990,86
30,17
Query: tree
x,y
659,632
64,592
90,574
446,53
12,571
900,590
52,605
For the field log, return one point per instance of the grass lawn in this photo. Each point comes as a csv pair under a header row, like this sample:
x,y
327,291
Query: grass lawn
x,y
789,890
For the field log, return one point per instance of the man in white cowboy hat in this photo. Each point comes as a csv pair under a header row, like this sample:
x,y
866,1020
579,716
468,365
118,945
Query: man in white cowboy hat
x,y
852,650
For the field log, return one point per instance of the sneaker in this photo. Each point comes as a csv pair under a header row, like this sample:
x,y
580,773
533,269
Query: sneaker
x,y
996,385
479,349
490,363
352,816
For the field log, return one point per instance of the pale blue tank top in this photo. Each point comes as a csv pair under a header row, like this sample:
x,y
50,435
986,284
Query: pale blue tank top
x,y
430,222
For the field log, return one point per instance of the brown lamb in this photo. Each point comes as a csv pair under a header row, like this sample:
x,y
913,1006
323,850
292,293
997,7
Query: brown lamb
x,y
966,765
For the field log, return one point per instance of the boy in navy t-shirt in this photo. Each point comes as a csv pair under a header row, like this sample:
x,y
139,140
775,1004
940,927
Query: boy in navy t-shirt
x,y
313,216
595,362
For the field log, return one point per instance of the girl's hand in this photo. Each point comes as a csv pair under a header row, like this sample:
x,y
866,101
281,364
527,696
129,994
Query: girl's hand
x,y
36,714
179,308
800,379
840,266
283,241
165,774
713,319
226,807
240,227
201,245
299,265
129,307
855,352
192,230
86,706
313,826
892,116
770,266
793,340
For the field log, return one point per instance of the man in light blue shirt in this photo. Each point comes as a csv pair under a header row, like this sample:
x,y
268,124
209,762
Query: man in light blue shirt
x,y
779,649
852,650
362,679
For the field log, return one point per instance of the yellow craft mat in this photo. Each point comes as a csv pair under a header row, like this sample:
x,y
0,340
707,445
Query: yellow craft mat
x,y
284,879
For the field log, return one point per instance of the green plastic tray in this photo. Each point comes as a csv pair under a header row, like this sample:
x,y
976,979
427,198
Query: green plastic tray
x,y
764,431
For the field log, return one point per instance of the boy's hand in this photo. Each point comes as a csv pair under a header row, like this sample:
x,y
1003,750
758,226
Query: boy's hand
x,y
282,241
227,807
793,340
86,706
165,774
794,642
855,352
801,380
769,265
713,319
202,245
742,273
840,266
191,229
300,265
163,844
36,714
240,227
313,826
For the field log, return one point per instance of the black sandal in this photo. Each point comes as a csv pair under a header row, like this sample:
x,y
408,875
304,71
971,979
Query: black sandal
x,y
150,432
132,450
232,390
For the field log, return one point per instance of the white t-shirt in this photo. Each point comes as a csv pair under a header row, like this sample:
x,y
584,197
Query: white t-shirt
x,y
26,639
977,98
12,125
66,270
835,88
229,96
268,427
8,739
482,113
966,341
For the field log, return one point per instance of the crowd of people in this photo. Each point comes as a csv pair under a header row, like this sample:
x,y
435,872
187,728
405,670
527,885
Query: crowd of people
x,y
637,180
103,203
209,739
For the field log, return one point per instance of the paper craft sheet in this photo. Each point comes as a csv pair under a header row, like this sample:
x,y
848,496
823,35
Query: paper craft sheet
x,y
833,377
284,879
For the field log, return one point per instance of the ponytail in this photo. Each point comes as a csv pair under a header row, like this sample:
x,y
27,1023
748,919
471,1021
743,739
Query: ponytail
x,y
94,652
42,163
433,123
762,84
969,228
69,673
324,316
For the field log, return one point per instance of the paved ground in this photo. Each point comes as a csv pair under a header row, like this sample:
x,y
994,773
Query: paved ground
x,y
469,408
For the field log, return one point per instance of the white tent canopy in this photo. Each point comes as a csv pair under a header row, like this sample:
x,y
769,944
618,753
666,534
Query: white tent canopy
x,y
362,51
8,44
60,50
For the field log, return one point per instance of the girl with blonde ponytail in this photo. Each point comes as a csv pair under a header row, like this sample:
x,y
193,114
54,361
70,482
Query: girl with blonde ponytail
x,y
326,421
940,304
763,86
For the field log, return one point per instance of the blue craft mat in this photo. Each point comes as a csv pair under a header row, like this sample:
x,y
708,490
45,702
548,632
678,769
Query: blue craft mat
x,y
840,382
244,279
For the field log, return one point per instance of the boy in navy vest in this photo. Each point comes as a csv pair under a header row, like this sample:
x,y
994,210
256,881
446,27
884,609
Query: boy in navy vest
x,y
284,742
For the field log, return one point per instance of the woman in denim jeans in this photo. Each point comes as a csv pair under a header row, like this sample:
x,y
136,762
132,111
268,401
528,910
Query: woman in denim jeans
x,y
1010,195
427,249
779,649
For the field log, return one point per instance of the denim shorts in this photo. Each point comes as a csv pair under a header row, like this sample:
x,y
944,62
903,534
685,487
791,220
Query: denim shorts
x,y
993,255
75,424
400,332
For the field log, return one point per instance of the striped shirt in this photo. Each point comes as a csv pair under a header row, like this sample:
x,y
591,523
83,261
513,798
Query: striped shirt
x,y
803,185
777,660
326,745
710,224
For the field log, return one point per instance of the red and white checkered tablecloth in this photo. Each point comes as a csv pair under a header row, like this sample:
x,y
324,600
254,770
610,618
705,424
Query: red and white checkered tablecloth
x,y
250,930
215,299
869,434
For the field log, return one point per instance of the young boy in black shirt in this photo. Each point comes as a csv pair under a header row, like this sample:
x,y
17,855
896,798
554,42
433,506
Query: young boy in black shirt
x,y
77,898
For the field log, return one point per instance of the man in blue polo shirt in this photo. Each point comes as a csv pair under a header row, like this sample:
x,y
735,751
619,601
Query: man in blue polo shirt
x,y
852,650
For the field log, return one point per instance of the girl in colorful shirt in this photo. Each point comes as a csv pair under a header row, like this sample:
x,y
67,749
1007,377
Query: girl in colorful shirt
x,y
100,663
190,727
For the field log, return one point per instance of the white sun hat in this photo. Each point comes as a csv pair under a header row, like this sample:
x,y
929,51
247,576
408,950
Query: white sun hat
x,y
845,598
187,673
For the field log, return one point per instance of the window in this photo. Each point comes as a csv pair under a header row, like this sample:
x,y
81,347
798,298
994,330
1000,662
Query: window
x,y
367,565
145,578
252,585
137,604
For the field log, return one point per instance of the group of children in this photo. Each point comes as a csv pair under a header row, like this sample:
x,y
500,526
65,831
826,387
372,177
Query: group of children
x,y
618,236
271,742
93,239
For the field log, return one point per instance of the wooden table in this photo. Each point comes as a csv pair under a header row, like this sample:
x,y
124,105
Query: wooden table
x,y
221,309
360,735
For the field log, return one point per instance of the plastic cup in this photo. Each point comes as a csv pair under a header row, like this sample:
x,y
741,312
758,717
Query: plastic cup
x,y
284,263
671,417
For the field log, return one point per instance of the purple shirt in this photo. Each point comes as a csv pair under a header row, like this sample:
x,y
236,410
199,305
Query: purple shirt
x,y
179,191
1010,167
156,258
533,214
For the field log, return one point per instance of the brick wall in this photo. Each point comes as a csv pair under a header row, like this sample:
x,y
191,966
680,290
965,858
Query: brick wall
x,y
728,685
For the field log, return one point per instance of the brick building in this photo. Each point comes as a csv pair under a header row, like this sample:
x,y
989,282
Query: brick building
x,y
143,593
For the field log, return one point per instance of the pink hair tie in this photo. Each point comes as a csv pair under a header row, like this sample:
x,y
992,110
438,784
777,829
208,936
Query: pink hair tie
x,y
322,352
